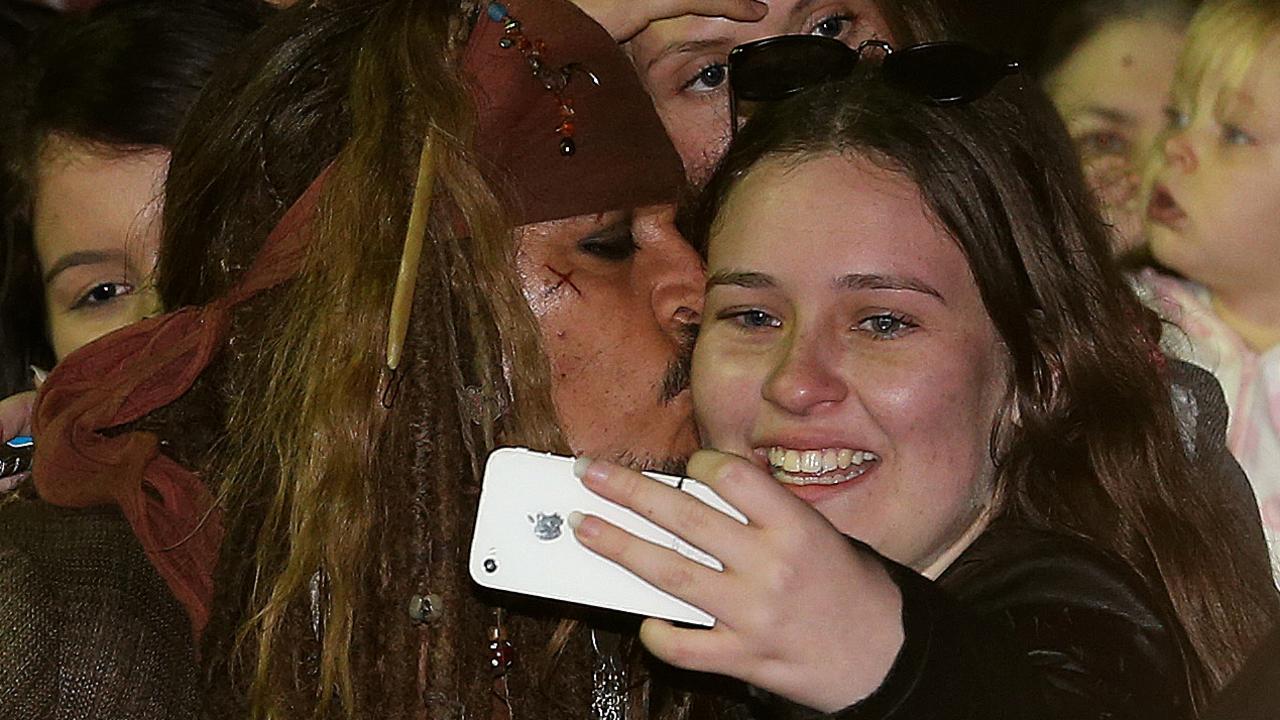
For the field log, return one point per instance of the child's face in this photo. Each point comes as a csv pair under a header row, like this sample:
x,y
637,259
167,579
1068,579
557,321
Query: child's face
x,y
1214,212
96,228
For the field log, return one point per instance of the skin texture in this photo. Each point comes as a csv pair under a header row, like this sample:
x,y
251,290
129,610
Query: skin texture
x,y
1112,92
615,296
96,229
682,64
1215,188
624,20
838,315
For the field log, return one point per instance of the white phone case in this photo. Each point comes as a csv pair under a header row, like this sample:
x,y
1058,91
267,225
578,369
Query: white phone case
x,y
523,542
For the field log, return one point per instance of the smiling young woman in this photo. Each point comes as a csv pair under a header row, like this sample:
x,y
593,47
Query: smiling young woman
x,y
902,346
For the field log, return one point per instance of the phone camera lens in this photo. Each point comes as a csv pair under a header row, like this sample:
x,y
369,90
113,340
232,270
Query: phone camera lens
x,y
490,565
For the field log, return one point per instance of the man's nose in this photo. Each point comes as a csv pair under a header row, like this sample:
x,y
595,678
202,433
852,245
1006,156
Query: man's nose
x,y
677,275
804,377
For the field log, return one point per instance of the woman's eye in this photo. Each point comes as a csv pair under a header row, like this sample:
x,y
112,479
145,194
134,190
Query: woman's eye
x,y
833,26
613,248
886,326
102,293
1233,135
709,78
1102,143
752,319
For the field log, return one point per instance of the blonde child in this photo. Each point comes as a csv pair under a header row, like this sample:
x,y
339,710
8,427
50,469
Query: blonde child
x,y
1214,220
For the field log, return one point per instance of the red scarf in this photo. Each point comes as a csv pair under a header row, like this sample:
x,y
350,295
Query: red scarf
x,y
126,375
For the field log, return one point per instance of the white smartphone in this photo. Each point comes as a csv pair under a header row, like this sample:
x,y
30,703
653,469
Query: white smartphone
x,y
523,542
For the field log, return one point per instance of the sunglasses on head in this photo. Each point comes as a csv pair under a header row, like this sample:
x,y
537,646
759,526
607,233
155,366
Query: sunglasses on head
x,y
943,73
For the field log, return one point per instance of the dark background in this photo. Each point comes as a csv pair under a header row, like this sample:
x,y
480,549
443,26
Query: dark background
x,y
1012,26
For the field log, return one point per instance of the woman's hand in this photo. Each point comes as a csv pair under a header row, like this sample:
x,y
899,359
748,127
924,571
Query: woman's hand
x,y
15,415
624,19
799,611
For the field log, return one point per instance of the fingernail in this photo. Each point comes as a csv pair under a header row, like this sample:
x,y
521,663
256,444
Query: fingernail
x,y
582,528
39,375
580,467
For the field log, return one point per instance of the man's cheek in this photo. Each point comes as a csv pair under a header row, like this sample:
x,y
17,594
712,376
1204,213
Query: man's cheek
x,y
566,356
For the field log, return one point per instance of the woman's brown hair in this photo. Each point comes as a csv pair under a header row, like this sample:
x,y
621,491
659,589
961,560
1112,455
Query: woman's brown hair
x,y
340,511
1088,443
916,21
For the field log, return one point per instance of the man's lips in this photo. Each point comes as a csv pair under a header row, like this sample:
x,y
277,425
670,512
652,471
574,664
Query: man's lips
x,y
1164,209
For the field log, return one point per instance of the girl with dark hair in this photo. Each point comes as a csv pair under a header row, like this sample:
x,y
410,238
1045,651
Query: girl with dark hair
x,y
90,116
914,337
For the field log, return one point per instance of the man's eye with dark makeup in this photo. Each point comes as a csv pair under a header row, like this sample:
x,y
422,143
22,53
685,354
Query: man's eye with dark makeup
x,y
614,245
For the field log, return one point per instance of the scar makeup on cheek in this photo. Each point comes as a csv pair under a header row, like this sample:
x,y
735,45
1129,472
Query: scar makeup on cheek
x,y
561,280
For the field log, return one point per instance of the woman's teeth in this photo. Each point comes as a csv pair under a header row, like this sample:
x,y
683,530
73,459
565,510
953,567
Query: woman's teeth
x,y
818,466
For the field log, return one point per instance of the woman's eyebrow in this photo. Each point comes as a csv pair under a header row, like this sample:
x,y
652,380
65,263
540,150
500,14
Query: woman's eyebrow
x,y
738,278
876,281
1110,114
800,8
679,47
82,257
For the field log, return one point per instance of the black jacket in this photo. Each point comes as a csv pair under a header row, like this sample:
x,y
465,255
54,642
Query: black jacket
x,y
1026,625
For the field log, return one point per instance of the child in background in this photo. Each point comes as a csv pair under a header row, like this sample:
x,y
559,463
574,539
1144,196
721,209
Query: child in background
x,y
1214,189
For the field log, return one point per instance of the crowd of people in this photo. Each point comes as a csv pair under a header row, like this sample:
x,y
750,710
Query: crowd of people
x,y
983,348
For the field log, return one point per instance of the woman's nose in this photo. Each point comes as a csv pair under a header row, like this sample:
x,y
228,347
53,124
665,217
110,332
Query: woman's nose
x,y
804,378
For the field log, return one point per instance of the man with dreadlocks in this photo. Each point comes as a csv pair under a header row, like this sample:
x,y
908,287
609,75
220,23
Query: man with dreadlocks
x,y
288,465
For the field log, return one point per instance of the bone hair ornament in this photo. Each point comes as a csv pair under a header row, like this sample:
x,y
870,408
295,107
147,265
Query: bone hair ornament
x,y
407,279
